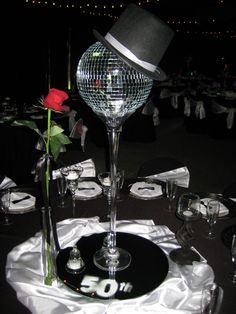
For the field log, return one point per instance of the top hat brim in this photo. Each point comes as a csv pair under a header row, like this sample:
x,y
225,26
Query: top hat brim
x,y
158,75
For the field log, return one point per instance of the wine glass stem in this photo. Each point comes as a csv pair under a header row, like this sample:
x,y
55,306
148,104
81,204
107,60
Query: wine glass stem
x,y
6,217
233,278
210,231
108,207
73,204
113,137
62,201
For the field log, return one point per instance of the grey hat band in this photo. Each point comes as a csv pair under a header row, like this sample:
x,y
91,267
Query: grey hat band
x,y
129,54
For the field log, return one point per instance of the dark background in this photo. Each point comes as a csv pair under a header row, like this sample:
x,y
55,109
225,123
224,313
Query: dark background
x,y
35,39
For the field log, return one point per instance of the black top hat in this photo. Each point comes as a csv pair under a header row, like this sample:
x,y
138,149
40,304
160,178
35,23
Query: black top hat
x,y
140,39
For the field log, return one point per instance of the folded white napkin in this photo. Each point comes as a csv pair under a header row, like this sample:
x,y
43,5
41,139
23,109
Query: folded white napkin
x,y
7,183
31,110
180,293
88,169
146,190
36,117
223,210
24,205
88,189
181,175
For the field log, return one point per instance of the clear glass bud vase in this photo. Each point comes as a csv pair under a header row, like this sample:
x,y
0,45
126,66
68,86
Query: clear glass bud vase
x,y
49,247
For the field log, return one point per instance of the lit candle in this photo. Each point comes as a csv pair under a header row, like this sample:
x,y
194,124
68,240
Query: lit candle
x,y
187,213
72,175
107,181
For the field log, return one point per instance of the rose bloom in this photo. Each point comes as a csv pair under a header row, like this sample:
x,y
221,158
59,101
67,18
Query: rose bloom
x,y
55,99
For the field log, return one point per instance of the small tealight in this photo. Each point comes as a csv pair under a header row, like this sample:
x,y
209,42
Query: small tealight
x,y
107,181
187,213
72,175
75,263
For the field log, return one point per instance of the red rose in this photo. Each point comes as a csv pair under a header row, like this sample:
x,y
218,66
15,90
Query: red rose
x,y
55,99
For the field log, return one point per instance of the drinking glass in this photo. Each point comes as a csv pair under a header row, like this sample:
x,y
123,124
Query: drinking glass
x,y
188,210
233,257
62,188
212,213
211,300
5,198
171,189
72,175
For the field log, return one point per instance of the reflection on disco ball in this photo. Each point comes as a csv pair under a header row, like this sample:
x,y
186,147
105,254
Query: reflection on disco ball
x,y
110,87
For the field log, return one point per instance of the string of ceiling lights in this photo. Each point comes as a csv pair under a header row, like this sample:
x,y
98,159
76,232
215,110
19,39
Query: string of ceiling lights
x,y
97,7
106,8
112,9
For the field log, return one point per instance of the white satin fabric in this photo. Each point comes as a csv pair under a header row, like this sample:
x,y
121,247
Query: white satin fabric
x,y
150,110
181,175
174,96
199,108
180,293
7,183
217,109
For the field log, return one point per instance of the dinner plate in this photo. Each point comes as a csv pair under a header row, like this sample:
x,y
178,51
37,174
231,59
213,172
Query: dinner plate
x,y
36,117
8,118
88,190
145,198
227,202
24,206
30,111
32,190
148,269
141,185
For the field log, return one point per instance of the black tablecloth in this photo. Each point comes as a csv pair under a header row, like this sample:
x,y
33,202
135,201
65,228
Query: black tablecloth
x,y
26,225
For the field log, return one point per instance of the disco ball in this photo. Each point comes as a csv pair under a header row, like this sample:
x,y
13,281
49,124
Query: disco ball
x,y
110,87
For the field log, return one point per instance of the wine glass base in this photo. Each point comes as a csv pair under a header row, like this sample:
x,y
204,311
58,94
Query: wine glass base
x,y
117,261
7,223
232,277
184,257
63,205
210,237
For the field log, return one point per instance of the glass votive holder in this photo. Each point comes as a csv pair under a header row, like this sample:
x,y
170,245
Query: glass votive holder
x,y
188,206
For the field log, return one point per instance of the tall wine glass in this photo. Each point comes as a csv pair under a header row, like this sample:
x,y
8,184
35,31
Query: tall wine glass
x,y
171,189
5,198
105,180
212,213
72,175
233,257
120,183
114,91
211,300
61,188
188,210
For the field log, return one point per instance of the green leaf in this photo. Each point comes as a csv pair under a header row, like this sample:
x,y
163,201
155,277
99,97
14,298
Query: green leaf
x,y
55,130
30,124
56,143
55,146
64,139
